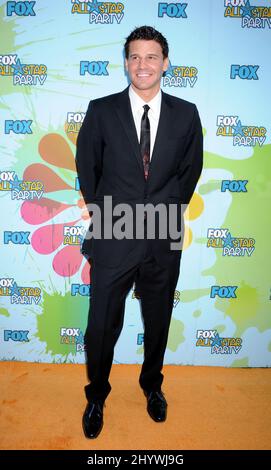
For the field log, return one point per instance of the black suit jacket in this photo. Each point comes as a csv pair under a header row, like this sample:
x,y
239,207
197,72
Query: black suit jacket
x,y
109,162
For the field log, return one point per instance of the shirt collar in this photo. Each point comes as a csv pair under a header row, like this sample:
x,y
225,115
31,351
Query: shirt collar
x,y
137,102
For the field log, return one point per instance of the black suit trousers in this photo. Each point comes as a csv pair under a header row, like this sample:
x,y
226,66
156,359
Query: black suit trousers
x,y
155,286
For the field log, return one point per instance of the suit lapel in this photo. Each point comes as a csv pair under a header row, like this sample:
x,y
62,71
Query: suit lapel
x,y
163,131
124,111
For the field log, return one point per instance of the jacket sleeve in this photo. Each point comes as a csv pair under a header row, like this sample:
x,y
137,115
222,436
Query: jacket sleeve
x,y
88,157
191,166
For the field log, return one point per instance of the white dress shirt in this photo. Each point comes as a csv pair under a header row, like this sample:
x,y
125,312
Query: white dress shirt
x,y
137,104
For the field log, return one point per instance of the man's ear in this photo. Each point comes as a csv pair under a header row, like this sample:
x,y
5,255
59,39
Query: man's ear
x,y
165,64
126,65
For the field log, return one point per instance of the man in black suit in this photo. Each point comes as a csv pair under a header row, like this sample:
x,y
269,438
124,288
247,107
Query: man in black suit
x,y
139,147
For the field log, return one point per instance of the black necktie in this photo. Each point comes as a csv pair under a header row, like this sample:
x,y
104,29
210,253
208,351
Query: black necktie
x,y
145,140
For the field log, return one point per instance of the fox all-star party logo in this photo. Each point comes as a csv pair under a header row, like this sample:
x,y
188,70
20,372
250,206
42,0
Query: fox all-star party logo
x,y
177,298
99,12
243,135
20,189
23,74
72,336
251,16
74,122
218,345
231,246
18,294
73,235
180,76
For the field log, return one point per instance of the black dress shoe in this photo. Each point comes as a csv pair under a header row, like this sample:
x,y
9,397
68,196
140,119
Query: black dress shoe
x,y
93,419
156,405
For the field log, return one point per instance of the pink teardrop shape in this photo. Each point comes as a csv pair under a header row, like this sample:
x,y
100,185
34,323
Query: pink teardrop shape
x,y
39,211
47,239
67,261
51,181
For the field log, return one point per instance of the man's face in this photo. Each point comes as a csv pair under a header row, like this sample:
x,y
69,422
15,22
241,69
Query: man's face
x,y
145,64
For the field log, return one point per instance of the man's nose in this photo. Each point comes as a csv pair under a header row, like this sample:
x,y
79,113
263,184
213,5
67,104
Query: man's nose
x,y
142,61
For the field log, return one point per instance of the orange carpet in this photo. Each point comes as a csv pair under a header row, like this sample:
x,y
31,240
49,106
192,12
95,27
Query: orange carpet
x,y
209,408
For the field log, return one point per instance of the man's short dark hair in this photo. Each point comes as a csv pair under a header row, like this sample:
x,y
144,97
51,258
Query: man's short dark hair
x,y
148,33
